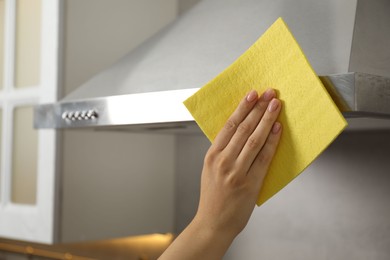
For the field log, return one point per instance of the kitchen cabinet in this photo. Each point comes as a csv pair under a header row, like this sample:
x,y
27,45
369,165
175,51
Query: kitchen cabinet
x,y
49,47
29,76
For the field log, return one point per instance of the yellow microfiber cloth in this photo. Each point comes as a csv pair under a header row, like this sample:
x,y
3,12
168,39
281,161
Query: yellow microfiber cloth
x,y
310,118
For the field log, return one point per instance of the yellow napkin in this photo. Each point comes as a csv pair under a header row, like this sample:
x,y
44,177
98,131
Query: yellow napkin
x,y
310,119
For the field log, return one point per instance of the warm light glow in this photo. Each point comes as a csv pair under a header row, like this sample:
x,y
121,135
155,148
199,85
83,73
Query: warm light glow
x,y
135,247
153,239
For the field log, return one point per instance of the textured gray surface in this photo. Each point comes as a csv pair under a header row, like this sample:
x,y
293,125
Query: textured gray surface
x,y
337,209
214,33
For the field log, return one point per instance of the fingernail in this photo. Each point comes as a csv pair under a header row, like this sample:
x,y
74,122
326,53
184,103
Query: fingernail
x,y
252,96
276,127
268,94
273,105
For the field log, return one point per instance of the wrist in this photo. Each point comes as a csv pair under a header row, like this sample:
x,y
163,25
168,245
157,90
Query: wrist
x,y
220,238
199,241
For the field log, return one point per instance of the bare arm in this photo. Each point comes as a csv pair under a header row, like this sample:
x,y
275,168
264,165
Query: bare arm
x,y
233,172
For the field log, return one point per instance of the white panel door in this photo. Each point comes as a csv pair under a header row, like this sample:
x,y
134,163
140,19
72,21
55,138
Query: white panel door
x,y
29,56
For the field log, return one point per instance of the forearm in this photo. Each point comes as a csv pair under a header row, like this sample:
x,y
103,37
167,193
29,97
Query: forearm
x,y
198,241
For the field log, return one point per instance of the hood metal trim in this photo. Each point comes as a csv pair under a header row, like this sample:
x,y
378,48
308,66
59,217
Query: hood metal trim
x,y
357,95
163,107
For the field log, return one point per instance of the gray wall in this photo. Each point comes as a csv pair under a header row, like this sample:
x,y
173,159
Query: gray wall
x,y
109,187
190,151
185,5
337,209
116,185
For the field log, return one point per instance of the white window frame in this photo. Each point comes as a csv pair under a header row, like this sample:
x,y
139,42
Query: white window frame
x,y
31,222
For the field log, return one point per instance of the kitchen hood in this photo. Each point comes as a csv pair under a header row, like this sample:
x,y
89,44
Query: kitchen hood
x,y
347,43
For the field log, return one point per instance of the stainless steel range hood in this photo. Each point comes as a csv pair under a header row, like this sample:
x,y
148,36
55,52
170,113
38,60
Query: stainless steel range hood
x,y
345,41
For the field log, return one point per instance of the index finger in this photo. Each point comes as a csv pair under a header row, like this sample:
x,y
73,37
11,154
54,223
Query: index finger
x,y
243,109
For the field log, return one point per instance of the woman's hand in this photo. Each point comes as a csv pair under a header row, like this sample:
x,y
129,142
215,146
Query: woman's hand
x,y
233,173
237,162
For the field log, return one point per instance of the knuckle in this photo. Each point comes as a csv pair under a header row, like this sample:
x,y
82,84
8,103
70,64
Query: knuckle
x,y
219,162
230,124
260,106
253,142
264,158
268,119
209,157
244,128
223,164
234,181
